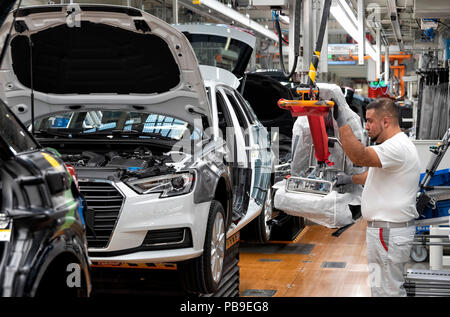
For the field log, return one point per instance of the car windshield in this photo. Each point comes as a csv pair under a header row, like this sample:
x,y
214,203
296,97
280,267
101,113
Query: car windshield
x,y
13,133
115,124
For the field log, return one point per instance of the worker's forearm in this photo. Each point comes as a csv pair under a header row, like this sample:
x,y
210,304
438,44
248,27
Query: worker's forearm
x,y
351,145
356,151
359,178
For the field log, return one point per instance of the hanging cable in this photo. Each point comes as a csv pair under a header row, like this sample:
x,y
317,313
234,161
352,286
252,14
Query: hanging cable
x,y
316,54
276,19
280,46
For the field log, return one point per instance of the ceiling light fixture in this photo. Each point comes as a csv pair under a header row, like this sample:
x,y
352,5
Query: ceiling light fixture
x,y
242,19
345,17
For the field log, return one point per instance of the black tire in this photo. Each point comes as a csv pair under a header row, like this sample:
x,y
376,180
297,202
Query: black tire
x,y
198,275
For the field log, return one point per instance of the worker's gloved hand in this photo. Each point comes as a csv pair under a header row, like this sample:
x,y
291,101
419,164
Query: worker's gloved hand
x,y
343,179
340,120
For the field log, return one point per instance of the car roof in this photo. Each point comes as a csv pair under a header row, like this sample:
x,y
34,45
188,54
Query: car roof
x,y
213,76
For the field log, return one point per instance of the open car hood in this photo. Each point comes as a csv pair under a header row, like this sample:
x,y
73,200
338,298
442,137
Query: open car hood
x,y
5,7
75,56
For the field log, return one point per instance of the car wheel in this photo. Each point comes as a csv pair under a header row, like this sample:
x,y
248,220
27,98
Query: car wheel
x,y
260,229
263,226
203,274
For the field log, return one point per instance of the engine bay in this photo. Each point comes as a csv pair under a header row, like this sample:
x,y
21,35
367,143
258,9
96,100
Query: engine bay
x,y
138,158
127,160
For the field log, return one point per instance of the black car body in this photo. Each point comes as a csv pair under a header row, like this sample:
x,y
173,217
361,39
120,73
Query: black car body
x,y
263,92
43,247
42,231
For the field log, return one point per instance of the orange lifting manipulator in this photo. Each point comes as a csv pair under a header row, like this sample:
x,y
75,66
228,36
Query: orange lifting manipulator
x,y
306,107
307,104
314,109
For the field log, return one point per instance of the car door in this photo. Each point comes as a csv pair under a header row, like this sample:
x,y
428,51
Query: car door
x,y
257,146
228,128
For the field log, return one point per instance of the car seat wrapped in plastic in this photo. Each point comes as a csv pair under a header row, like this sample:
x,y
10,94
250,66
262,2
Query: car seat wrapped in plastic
x,y
331,210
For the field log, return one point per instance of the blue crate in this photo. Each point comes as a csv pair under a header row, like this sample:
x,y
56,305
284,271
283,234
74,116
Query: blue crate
x,y
440,178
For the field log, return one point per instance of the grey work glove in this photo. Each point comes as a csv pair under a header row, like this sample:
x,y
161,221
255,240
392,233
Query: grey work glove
x,y
337,109
343,179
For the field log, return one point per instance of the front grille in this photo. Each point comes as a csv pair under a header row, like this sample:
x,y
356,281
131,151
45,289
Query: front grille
x,y
104,202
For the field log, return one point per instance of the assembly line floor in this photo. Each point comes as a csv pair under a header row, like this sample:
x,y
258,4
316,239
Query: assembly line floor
x,y
316,264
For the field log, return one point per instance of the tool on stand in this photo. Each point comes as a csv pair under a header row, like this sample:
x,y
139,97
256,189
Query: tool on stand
x,y
425,198
432,202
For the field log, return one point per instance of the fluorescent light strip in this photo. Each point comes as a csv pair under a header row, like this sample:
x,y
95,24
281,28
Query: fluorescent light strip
x,y
223,9
361,31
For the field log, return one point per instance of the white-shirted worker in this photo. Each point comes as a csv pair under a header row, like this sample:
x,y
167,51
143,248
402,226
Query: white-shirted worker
x,y
388,201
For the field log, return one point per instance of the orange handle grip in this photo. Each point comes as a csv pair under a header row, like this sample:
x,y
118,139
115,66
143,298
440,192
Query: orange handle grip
x,y
306,107
305,103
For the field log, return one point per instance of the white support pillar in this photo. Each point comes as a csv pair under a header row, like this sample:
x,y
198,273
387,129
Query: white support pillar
x,y
386,64
371,70
307,41
378,53
436,251
437,258
175,11
361,32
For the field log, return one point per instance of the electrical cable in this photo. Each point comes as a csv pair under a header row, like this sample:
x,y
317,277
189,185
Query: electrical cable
x,y
315,59
280,50
276,32
275,18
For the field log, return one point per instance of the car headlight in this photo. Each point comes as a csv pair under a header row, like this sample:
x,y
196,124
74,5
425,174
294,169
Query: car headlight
x,y
168,185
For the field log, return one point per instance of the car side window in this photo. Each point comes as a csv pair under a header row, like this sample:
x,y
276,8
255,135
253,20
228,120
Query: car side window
x,y
247,108
223,116
237,110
